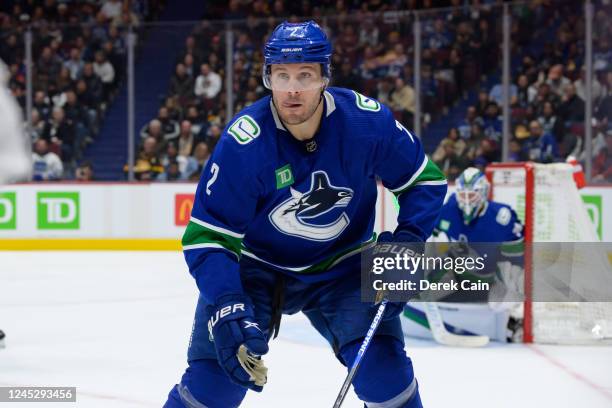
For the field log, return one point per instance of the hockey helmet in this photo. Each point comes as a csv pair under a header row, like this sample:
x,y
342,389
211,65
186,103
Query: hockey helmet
x,y
294,43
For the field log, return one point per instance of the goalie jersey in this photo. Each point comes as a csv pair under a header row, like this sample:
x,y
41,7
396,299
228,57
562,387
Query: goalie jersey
x,y
303,207
496,222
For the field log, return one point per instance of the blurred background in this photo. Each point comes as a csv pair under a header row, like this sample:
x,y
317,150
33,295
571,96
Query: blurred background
x,y
142,89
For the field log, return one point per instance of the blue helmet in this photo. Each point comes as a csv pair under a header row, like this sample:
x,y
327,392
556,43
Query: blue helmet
x,y
292,43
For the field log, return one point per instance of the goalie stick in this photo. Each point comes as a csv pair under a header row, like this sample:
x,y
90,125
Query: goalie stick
x,y
443,336
364,347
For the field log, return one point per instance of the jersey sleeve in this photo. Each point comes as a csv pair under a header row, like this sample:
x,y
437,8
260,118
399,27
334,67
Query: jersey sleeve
x,y
511,234
225,203
418,184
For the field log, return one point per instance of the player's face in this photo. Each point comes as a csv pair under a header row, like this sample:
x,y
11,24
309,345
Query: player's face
x,y
296,89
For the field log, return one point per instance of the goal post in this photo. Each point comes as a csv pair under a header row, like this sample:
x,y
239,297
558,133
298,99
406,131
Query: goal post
x,y
547,200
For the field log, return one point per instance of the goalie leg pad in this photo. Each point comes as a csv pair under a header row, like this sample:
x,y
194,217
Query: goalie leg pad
x,y
205,385
385,378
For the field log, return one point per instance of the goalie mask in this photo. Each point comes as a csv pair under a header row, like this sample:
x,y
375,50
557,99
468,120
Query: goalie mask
x,y
472,193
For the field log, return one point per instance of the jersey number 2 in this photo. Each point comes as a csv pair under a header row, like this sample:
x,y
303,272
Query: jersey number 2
x,y
214,169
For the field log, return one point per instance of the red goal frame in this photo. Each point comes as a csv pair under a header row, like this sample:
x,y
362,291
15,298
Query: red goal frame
x,y
529,168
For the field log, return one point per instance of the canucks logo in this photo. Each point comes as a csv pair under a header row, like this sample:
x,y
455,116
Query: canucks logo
x,y
303,214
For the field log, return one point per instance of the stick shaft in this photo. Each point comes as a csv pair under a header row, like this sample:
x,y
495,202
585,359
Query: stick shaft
x,y
364,347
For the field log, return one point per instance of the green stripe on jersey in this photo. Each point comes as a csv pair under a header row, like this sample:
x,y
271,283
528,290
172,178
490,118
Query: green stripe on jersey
x,y
431,174
196,234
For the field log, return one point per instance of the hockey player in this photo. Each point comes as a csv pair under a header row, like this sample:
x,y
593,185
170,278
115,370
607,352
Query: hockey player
x,y
14,157
285,205
469,216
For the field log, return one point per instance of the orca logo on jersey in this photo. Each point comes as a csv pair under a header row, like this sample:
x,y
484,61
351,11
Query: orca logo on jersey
x,y
290,217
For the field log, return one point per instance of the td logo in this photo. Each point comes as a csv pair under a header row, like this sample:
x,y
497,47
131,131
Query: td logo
x,y
8,218
58,210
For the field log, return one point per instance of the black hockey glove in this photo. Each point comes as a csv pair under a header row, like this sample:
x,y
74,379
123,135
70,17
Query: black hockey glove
x,y
393,309
239,341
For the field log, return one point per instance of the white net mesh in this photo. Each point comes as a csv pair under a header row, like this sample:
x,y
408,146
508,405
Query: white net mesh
x,y
559,216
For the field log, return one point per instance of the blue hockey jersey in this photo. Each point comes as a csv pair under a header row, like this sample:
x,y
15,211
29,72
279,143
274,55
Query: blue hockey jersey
x,y
497,222
302,208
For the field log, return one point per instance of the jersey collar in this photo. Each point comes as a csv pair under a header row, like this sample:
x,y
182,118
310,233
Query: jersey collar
x,y
330,107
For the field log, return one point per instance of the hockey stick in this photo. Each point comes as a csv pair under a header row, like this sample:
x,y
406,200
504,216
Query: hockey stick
x,y
364,346
443,336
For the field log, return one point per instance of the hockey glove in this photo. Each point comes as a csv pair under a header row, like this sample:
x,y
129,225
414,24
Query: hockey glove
x,y
393,309
239,342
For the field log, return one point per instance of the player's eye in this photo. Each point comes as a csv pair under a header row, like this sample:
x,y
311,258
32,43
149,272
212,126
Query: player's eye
x,y
306,75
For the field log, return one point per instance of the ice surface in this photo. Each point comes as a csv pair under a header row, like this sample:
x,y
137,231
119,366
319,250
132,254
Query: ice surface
x,y
116,325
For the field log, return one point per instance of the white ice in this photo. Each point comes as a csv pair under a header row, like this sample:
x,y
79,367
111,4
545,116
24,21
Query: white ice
x,y
116,325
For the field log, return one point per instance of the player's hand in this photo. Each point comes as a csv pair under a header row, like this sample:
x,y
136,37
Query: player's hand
x,y
393,309
239,341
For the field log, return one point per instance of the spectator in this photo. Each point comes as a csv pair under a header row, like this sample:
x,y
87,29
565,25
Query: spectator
x,y
186,139
486,154
189,63
549,121
403,101
483,103
153,129
171,172
580,86
192,49
197,162
602,165
42,105
540,147
95,88
60,133
471,118
111,9
449,162
525,92
37,126
384,88
84,172
105,71
75,64
199,125
557,80
516,151
544,95
496,94
148,164
46,165
89,102
208,83
572,107
181,84
212,137
76,114
47,67
492,124
457,142
170,127
172,155
346,78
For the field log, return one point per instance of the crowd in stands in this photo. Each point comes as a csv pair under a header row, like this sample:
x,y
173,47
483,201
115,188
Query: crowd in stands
x,y
373,53
78,61
547,99
79,54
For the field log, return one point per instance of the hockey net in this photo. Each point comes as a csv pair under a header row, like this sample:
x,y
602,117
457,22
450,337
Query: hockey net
x,y
546,199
